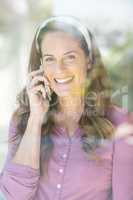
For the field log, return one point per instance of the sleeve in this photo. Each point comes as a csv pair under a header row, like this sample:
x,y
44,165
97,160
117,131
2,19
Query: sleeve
x,y
122,175
17,181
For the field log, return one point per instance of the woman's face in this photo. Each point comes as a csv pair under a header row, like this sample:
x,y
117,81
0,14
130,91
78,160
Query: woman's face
x,y
65,63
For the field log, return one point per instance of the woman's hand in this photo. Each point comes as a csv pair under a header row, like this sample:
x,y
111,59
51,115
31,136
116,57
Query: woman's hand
x,y
37,93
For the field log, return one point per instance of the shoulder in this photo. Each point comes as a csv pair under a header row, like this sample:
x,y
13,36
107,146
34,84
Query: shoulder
x,y
122,183
123,136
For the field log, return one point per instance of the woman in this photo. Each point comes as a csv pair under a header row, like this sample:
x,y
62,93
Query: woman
x,y
61,143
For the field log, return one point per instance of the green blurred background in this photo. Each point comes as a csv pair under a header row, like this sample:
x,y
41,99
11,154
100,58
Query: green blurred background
x,y
110,21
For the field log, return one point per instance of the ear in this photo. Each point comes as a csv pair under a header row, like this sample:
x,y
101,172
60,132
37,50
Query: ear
x,y
89,66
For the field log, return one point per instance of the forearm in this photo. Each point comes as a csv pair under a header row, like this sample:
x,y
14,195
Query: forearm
x,y
28,152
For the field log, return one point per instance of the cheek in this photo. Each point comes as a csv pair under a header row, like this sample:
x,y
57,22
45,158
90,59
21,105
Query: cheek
x,y
81,75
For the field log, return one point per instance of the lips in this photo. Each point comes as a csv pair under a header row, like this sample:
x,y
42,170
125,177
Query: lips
x,y
64,80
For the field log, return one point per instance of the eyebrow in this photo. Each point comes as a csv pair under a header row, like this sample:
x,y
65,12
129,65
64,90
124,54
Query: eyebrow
x,y
64,53
71,52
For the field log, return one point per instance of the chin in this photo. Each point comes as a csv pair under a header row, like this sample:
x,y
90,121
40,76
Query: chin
x,y
62,93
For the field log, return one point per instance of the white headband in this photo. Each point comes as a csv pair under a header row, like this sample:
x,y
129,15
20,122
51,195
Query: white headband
x,y
69,20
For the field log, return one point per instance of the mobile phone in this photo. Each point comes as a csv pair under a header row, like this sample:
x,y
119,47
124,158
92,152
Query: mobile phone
x,y
48,92
47,89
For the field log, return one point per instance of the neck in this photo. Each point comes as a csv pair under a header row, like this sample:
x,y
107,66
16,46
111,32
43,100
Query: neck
x,y
69,112
70,105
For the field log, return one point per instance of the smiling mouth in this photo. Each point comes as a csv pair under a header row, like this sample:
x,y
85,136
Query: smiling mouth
x,y
64,80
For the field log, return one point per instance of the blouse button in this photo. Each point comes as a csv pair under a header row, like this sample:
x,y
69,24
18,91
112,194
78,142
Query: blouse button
x,y
58,186
60,170
64,155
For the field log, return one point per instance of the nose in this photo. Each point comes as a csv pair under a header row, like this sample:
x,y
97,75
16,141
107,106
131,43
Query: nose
x,y
60,67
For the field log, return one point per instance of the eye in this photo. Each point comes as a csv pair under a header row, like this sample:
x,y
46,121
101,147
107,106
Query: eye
x,y
48,59
70,57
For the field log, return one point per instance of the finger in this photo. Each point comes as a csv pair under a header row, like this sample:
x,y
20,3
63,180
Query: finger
x,y
47,86
40,70
35,72
36,79
47,82
48,92
39,88
47,79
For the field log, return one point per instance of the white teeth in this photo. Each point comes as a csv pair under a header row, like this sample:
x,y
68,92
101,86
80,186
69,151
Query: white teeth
x,y
64,80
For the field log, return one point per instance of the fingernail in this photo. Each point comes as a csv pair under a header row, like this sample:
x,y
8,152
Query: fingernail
x,y
45,80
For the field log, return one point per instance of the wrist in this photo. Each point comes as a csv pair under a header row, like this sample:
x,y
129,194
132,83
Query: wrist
x,y
36,119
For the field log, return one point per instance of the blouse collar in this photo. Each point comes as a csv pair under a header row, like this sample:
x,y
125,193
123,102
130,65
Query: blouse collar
x,y
62,132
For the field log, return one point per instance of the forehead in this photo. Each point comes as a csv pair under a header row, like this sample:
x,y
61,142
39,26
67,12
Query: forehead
x,y
59,39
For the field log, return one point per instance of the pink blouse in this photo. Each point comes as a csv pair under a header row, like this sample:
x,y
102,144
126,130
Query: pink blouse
x,y
72,176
